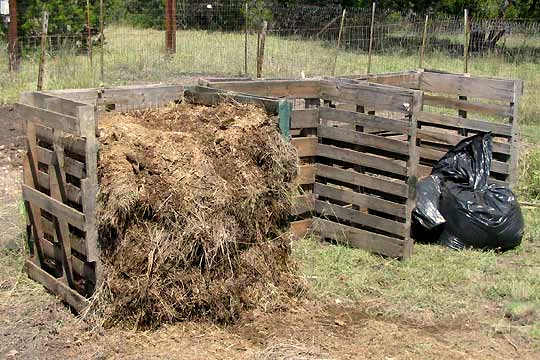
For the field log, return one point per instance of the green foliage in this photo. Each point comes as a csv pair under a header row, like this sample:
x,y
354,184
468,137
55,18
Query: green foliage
x,y
65,17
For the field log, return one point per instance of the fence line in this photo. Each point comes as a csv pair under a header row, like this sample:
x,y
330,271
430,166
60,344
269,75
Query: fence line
x,y
301,40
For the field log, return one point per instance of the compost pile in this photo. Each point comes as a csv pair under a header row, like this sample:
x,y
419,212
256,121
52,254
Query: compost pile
x,y
192,214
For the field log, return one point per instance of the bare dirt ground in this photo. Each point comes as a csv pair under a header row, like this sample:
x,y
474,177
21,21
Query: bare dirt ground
x,y
36,325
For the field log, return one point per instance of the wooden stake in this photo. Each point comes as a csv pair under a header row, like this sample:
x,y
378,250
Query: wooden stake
x,y
338,42
102,42
12,37
170,26
44,28
371,38
260,55
466,43
422,49
246,41
89,30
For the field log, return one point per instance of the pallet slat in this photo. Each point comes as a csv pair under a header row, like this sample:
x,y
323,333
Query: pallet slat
x,y
373,96
455,84
301,227
54,207
51,119
354,157
485,109
305,118
77,243
72,166
305,146
432,154
70,296
360,138
358,238
73,193
306,174
363,200
361,119
302,204
324,209
398,188
453,139
464,123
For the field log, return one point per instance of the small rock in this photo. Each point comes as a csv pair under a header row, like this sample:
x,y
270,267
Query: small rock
x,y
2,147
11,354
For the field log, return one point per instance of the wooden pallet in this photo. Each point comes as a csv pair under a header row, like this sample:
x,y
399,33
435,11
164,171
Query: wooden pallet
x,y
456,106
60,175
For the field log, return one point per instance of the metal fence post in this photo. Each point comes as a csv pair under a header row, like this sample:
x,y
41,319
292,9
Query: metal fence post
x,y
246,40
466,43
102,41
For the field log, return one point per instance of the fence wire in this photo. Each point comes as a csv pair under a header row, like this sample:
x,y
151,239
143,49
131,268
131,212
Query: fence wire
x,y
214,39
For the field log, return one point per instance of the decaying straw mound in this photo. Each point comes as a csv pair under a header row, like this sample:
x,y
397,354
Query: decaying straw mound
x,y
193,205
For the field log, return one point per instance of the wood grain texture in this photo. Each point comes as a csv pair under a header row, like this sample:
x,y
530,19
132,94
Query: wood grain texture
x,y
361,119
51,119
482,108
358,238
467,123
305,146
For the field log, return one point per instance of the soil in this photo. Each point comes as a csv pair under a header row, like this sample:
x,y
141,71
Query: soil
x,y
35,325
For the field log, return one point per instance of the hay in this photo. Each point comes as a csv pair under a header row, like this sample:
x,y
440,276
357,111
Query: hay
x,y
192,210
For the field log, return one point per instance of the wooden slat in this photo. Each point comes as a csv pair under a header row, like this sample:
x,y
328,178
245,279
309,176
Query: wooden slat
x,y
453,139
72,166
56,287
485,109
210,97
360,138
363,200
63,104
357,118
354,157
73,193
432,154
355,178
464,123
79,266
305,146
301,227
475,87
273,88
137,96
358,238
73,144
406,79
373,96
324,209
77,243
54,207
302,204
306,174
51,119
305,118
515,140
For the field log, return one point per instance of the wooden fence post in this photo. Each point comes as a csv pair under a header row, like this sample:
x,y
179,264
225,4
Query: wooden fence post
x,y
371,38
338,42
422,49
170,26
89,32
102,42
44,28
260,55
246,40
12,36
466,43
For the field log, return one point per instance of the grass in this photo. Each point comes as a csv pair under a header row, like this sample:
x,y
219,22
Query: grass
x,y
137,55
436,283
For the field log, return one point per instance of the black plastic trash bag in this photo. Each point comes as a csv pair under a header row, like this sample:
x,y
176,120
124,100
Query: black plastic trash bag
x,y
457,207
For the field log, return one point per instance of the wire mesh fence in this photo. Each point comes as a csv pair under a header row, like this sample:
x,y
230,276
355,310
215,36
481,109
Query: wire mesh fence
x,y
221,38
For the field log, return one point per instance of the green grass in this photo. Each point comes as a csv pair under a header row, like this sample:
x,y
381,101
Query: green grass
x,y
436,282
137,55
